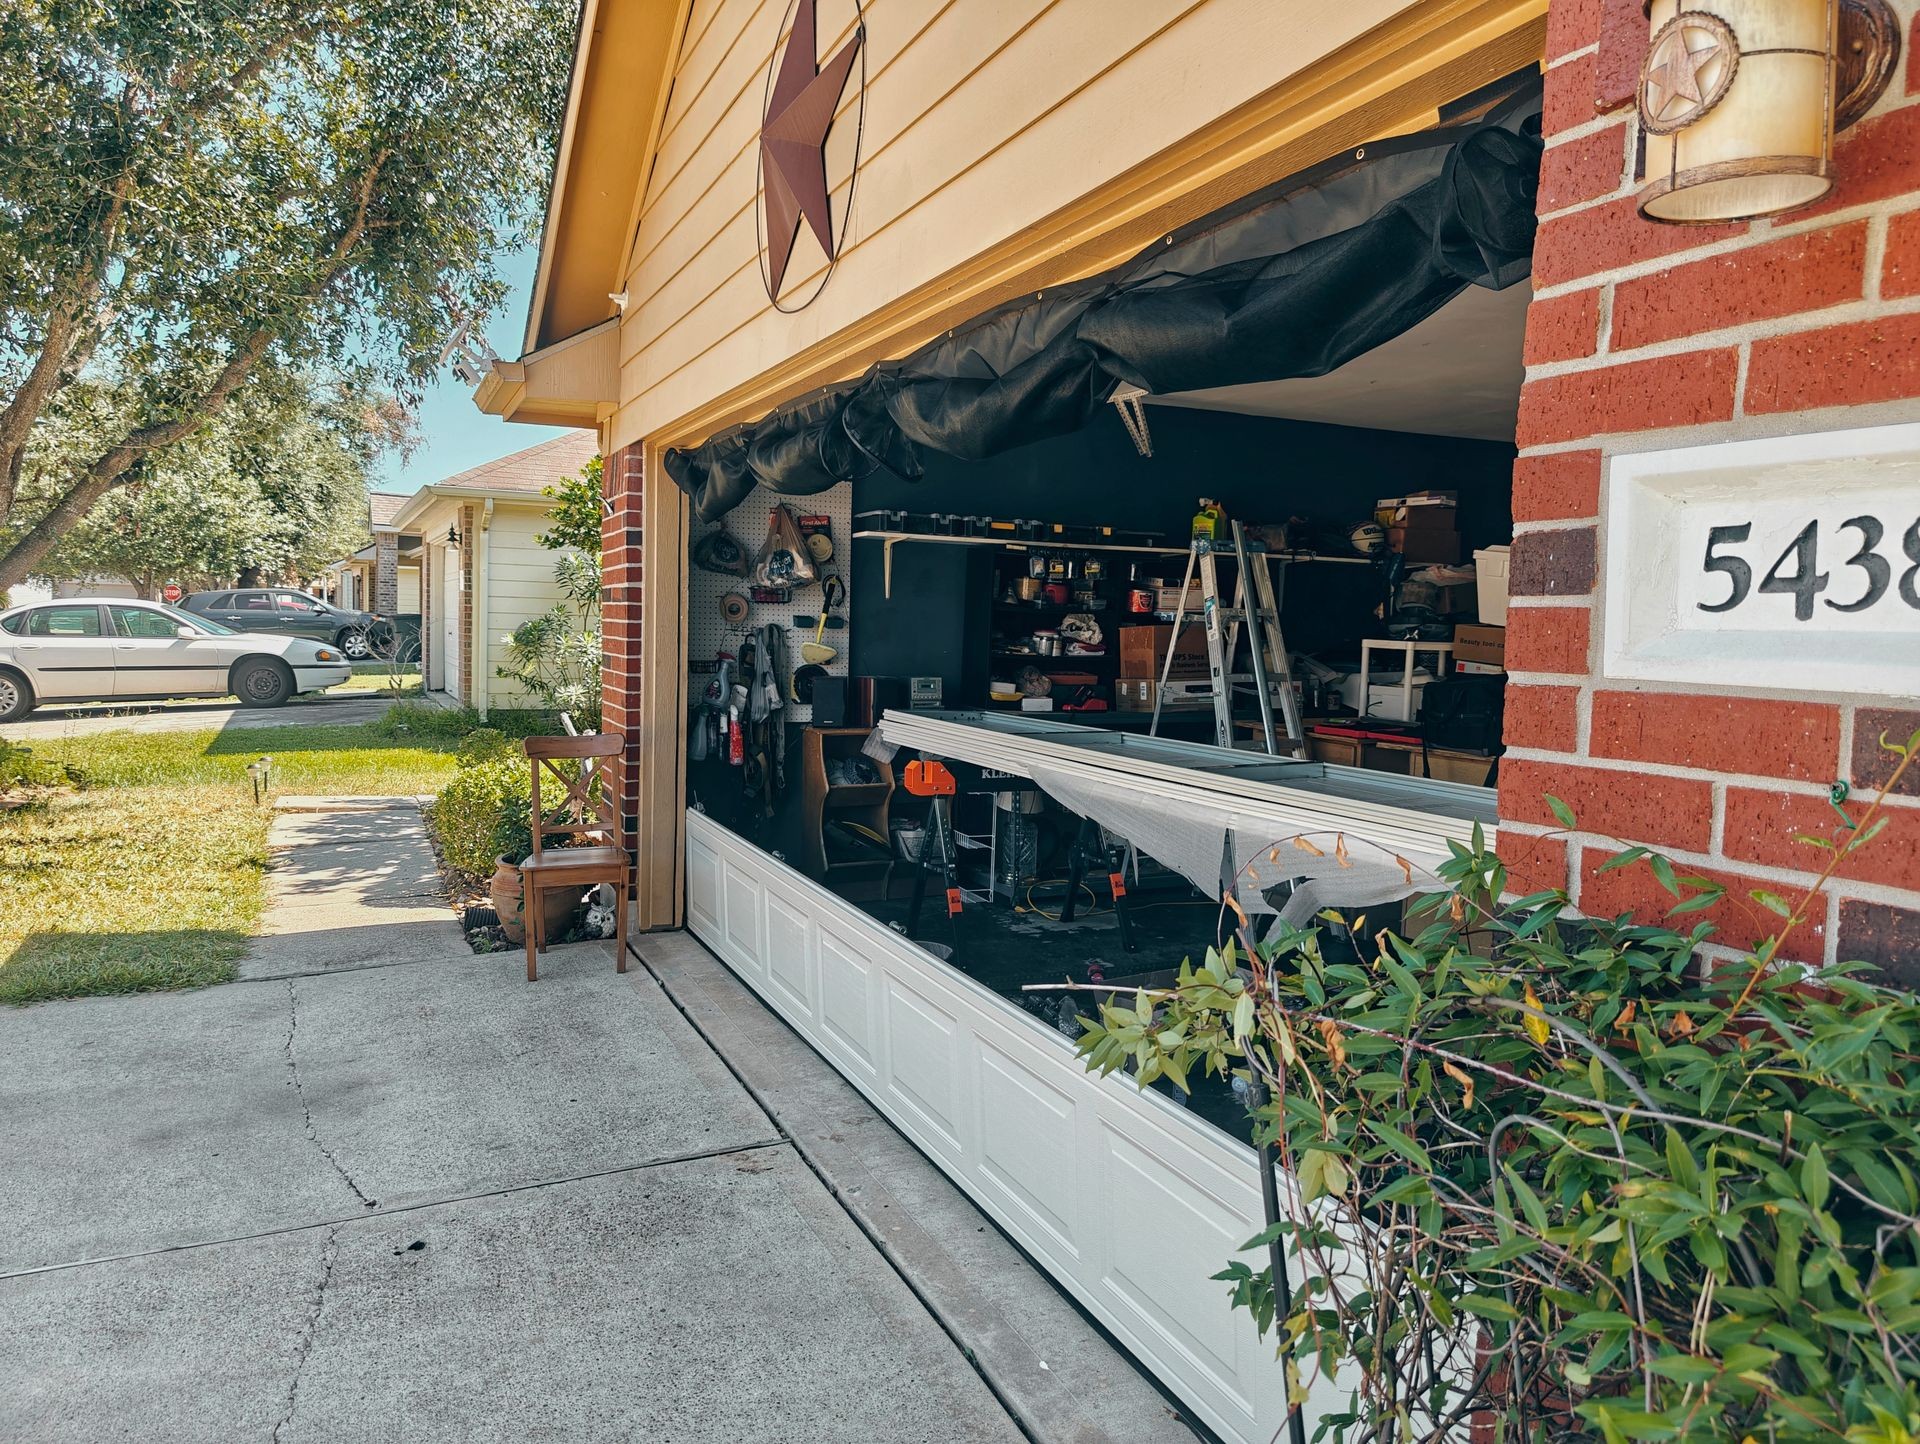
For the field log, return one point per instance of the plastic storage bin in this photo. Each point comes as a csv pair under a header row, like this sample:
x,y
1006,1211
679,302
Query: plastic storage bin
x,y
1490,579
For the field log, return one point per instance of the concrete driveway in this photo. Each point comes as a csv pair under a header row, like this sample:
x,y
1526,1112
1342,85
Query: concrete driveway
x,y
385,1189
325,709
431,1201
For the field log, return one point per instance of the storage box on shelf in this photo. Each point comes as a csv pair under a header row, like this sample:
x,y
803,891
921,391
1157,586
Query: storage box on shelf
x,y
1490,579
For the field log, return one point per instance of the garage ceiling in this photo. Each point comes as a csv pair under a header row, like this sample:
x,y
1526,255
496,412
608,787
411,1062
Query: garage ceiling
x,y
1457,373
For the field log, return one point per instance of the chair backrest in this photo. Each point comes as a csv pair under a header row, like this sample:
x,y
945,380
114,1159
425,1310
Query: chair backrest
x,y
583,811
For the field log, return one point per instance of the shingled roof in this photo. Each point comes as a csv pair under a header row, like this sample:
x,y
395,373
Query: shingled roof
x,y
384,506
531,470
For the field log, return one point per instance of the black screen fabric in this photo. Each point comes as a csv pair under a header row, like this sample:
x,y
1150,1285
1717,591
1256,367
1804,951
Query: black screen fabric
x,y
1294,282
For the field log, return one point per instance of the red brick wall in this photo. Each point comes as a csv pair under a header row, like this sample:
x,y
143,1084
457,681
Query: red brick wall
x,y
1644,336
620,618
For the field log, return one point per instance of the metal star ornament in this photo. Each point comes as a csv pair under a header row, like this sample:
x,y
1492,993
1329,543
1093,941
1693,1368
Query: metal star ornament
x,y
793,141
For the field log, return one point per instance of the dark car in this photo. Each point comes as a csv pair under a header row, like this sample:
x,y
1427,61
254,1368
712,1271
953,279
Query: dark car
x,y
287,613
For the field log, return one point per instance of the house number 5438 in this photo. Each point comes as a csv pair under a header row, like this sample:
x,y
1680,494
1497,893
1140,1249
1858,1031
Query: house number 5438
x,y
1796,572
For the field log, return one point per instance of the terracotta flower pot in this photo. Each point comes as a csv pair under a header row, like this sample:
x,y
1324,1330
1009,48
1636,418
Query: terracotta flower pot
x,y
557,905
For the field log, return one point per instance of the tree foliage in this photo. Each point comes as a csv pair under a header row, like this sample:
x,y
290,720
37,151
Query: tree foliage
x,y
275,485
1571,1178
198,194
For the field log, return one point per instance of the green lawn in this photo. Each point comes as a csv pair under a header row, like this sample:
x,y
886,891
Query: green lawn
x,y
378,677
153,876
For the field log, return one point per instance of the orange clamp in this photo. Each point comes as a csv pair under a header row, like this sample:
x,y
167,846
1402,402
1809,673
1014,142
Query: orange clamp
x,y
927,778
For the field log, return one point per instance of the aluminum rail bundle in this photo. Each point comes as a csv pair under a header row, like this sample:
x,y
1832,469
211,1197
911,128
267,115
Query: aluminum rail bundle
x,y
1259,797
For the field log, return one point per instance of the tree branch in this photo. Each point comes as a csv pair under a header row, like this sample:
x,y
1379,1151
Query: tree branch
x,y
110,467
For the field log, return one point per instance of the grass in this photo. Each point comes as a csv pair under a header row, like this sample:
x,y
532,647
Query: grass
x,y
154,877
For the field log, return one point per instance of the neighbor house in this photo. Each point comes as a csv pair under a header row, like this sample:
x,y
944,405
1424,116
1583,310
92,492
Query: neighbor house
x,y
384,575
482,570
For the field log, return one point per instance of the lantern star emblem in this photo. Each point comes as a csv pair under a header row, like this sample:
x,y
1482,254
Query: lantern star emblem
x,y
793,142
1687,71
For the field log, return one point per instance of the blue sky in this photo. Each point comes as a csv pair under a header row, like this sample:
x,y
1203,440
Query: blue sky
x,y
454,435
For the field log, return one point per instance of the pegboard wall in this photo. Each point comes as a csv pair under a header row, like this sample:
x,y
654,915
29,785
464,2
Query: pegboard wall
x,y
709,632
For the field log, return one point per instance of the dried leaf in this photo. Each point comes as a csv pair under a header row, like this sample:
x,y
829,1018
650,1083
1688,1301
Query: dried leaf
x,y
1336,1046
1625,1019
1340,849
1307,847
1273,853
1536,1025
1464,1079
1233,902
1405,867
1457,907
1681,1026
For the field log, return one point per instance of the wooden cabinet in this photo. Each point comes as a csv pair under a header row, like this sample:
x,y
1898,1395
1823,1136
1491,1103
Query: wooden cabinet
x,y
857,873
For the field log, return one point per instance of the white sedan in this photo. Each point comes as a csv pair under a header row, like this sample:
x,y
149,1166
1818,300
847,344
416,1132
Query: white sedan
x,y
115,650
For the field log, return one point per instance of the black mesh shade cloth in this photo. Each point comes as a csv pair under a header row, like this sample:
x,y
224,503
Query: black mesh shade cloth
x,y
1295,281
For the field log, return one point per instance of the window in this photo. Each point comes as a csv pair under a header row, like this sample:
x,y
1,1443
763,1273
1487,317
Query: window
x,y
295,602
16,623
65,622
252,602
214,602
139,622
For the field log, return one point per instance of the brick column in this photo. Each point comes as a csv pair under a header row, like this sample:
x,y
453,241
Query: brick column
x,y
1643,335
386,573
622,484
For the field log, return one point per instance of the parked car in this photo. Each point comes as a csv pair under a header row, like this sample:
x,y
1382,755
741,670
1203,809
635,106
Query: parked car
x,y
109,649
284,612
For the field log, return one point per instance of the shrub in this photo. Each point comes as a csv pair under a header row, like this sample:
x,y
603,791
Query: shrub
x,y
1574,1177
484,813
485,744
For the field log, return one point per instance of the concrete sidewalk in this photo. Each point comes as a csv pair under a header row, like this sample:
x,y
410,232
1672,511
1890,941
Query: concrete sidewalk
x,y
407,1195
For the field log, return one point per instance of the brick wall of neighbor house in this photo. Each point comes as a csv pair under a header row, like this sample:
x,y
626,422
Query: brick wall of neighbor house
x,y
386,574
1646,336
622,486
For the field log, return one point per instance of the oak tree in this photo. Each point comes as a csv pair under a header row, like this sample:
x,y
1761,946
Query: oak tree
x,y
199,194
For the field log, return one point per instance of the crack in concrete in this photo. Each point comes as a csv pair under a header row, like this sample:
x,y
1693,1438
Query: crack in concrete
x,y
313,1134
329,1251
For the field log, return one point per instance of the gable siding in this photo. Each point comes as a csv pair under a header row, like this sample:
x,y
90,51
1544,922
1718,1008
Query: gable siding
x,y
981,119
520,586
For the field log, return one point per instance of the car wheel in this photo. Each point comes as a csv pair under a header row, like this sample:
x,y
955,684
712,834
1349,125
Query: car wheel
x,y
16,696
262,683
353,641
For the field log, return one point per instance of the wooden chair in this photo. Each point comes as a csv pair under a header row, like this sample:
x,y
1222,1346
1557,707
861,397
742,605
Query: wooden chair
x,y
592,822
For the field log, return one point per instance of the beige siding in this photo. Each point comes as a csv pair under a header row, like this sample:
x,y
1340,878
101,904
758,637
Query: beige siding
x,y
982,117
520,586
409,578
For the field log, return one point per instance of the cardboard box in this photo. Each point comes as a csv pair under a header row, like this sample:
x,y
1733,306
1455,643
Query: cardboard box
x,y
1417,544
1168,599
1136,694
1475,643
1144,647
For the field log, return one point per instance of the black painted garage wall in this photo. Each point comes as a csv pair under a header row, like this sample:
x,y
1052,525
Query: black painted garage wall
x,y
1259,468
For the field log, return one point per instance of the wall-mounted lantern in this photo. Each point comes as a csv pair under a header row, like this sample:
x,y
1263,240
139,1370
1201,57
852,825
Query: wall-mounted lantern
x,y
453,535
1739,100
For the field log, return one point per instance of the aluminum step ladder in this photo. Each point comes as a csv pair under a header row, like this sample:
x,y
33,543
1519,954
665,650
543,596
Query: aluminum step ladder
x,y
1271,672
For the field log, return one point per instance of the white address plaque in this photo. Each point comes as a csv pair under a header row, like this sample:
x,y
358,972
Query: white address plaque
x,y
1791,563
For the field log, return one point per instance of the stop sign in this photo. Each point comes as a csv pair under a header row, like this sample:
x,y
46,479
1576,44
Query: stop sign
x,y
172,592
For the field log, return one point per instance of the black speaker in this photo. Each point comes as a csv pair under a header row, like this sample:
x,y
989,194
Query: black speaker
x,y
830,702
